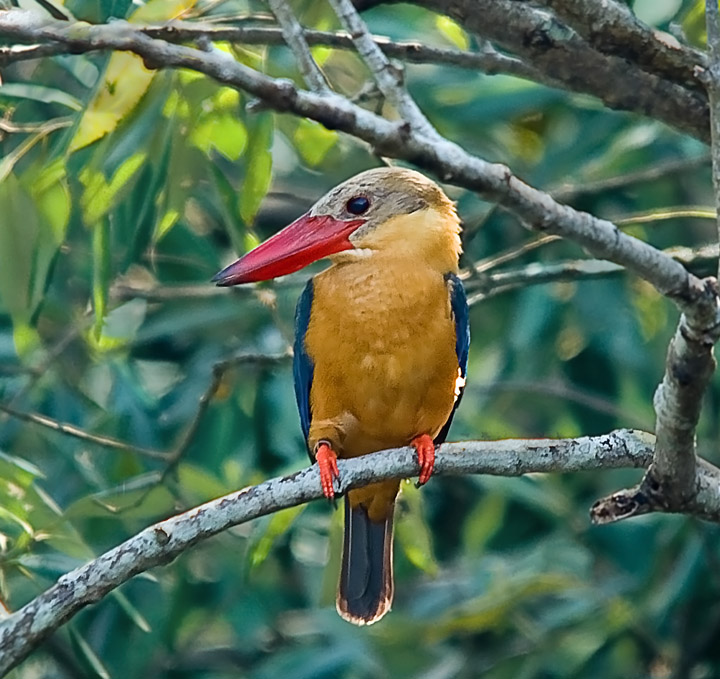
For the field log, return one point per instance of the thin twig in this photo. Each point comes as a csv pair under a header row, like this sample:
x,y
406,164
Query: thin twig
x,y
295,38
12,127
491,285
219,371
489,61
388,78
36,372
567,392
662,214
76,432
511,254
569,192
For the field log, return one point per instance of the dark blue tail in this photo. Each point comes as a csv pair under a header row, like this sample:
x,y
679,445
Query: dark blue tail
x,y
366,579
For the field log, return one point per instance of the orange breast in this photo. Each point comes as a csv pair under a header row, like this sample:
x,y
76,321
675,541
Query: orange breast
x,y
382,340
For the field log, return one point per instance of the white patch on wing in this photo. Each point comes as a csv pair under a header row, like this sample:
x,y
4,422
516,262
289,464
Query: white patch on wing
x,y
459,384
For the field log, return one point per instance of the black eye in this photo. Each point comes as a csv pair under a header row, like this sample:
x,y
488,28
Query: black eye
x,y
357,205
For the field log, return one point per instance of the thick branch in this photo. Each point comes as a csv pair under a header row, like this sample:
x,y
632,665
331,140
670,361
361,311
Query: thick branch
x,y
161,543
674,480
711,80
561,54
678,401
612,28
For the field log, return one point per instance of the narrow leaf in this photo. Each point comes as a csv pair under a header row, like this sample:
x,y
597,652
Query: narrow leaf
x,y
258,167
101,273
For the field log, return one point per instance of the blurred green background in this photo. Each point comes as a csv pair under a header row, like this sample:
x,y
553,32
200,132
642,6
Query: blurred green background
x,y
122,191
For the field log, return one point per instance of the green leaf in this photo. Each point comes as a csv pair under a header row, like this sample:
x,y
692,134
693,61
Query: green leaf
x,y
412,531
495,607
313,141
453,32
484,521
101,195
35,214
9,517
278,524
18,470
199,484
222,132
46,95
136,617
147,193
101,274
86,653
258,166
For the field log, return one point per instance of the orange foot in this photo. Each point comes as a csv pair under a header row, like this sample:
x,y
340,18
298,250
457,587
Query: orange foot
x,y
426,457
326,459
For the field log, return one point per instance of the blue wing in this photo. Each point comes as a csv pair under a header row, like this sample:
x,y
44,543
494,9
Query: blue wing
x,y
461,316
302,364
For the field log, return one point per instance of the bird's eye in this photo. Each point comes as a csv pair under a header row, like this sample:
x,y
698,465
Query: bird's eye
x,y
357,205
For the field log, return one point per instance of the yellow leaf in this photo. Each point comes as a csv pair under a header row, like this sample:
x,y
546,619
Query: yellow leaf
x,y
25,338
156,11
452,32
126,79
99,195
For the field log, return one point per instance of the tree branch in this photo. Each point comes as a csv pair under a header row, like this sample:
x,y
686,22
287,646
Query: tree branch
x,y
489,60
711,80
482,287
294,36
672,482
536,209
388,79
76,432
160,543
612,28
568,192
552,47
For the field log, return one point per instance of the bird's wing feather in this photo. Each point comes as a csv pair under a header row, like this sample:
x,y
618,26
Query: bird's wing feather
x,y
302,364
461,317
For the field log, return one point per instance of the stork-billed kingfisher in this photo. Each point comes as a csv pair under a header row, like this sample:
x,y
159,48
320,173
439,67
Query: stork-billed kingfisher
x,y
381,347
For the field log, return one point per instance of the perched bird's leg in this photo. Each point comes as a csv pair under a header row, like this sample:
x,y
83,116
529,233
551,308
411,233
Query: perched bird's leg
x,y
426,456
326,459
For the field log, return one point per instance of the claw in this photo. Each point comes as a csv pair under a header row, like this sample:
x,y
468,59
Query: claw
x,y
326,459
426,457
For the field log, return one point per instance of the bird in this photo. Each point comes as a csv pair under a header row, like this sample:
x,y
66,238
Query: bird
x,y
380,350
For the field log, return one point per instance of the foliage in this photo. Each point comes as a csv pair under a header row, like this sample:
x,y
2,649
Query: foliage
x,y
116,186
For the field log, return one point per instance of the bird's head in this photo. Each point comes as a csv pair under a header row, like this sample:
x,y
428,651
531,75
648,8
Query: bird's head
x,y
378,211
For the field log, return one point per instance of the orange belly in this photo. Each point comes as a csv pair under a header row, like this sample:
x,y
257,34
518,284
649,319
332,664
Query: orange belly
x,y
382,341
